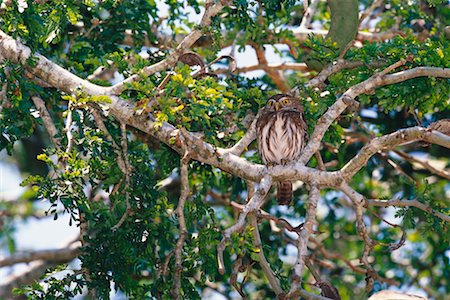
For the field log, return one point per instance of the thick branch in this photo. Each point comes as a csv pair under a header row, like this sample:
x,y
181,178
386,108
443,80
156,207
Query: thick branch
x,y
366,86
45,69
390,141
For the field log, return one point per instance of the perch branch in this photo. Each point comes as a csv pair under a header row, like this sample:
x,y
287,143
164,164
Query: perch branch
x,y
204,152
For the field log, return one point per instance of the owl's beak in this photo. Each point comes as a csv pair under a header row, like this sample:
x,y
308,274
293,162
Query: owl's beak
x,y
277,106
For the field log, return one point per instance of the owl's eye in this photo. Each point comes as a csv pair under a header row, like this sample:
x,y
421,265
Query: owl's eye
x,y
270,104
285,101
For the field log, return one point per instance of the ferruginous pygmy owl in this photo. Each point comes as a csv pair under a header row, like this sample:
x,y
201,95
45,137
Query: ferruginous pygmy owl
x,y
281,131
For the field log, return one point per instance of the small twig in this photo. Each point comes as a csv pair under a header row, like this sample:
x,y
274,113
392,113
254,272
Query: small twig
x,y
235,270
320,163
68,128
165,268
416,117
126,170
310,11
274,74
281,222
253,205
47,120
369,10
397,167
442,173
257,243
358,204
346,48
244,142
392,67
408,203
302,241
165,81
185,190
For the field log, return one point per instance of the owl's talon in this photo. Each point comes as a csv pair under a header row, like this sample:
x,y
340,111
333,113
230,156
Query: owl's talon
x,y
284,162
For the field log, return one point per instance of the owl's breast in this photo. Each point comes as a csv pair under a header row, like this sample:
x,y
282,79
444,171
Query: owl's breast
x,y
281,137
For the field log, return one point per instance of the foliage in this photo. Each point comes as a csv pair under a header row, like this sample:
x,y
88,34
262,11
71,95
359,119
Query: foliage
x,y
89,184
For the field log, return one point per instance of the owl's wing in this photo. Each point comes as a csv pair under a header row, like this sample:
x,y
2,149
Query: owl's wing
x,y
304,126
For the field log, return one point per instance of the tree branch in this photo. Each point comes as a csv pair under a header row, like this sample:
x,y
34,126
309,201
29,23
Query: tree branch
x,y
358,204
388,142
301,67
274,74
253,205
187,42
337,66
442,173
257,243
182,223
204,152
407,203
302,241
308,15
51,255
347,99
302,35
46,120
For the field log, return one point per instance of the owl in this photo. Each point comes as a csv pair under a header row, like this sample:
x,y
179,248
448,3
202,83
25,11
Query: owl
x,y
281,132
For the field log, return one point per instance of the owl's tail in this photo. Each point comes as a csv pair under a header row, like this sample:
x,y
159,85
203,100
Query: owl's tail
x,y
284,193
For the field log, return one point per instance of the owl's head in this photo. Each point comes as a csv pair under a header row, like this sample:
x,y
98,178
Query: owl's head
x,y
283,102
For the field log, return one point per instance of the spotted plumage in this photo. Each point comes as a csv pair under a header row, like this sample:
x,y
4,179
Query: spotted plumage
x,y
281,131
